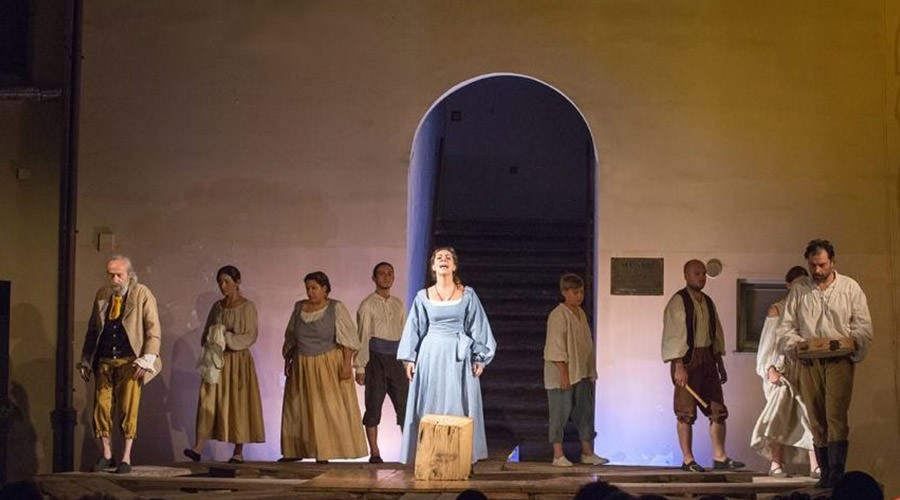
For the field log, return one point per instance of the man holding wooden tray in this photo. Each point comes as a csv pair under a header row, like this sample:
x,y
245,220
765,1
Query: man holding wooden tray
x,y
826,324
693,343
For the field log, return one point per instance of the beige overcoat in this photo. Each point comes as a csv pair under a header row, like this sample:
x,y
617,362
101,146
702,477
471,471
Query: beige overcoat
x,y
140,320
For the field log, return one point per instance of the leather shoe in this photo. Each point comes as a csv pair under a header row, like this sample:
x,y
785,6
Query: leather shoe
x,y
727,464
102,464
692,466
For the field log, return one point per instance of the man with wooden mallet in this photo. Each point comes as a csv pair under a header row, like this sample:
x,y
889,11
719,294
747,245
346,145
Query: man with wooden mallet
x,y
693,344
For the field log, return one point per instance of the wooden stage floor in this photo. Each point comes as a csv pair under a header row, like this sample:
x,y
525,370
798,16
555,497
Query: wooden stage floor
x,y
391,481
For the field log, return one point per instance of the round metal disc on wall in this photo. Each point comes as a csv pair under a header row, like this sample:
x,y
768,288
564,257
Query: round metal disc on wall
x,y
713,267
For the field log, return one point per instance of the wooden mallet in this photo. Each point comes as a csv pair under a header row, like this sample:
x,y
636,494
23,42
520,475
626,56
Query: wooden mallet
x,y
696,396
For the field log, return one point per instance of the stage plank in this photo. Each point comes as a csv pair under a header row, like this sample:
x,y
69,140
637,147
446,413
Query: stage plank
x,y
75,487
361,481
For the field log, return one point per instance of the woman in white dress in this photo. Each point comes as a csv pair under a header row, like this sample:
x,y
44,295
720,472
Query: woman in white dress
x,y
781,433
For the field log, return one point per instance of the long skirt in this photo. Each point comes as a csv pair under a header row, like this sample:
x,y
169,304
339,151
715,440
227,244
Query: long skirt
x,y
443,384
320,416
231,411
783,421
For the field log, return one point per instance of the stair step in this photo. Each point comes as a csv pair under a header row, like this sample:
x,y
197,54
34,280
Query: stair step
x,y
552,269
529,295
517,369
533,384
484,250
465,245
481,276
511,226
520,414
518,344
522,425
514,309
537,328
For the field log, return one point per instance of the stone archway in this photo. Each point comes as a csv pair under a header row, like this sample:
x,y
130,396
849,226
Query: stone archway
x,y
502,169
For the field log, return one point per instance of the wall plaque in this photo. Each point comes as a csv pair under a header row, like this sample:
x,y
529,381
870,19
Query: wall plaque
x,y
636,276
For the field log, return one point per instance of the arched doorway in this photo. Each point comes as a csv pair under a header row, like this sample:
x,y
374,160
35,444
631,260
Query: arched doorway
x,y
502,169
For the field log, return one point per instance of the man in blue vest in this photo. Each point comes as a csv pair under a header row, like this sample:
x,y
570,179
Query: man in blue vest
x,y
693,344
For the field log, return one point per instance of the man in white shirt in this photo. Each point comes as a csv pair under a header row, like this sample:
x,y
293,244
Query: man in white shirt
x,y
693,344
826,305
380,319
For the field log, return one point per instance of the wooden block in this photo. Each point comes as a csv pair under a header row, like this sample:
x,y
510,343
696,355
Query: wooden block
x,y
815,348
444,449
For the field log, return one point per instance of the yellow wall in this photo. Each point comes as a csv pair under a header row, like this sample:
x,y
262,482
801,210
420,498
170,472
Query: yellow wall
x,y
276,136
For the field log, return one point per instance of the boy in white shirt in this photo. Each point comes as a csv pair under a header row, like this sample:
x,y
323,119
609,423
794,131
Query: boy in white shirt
x,y
570,372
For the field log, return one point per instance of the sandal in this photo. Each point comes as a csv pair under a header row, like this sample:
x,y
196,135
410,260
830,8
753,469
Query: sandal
x,y
236,459
692,466
816,473
777,471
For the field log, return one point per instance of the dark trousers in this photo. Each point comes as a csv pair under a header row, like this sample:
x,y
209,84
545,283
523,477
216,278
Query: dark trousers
x,y
703,377
385,375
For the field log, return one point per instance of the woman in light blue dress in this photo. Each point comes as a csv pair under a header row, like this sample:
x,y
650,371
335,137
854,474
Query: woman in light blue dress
x,y
446,343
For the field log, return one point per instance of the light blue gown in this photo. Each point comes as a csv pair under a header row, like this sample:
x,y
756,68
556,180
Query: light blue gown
x,y
444,340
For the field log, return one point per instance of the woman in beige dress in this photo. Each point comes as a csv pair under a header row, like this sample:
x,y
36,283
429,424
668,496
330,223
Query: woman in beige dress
x,y
782,432
230,410
320,416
